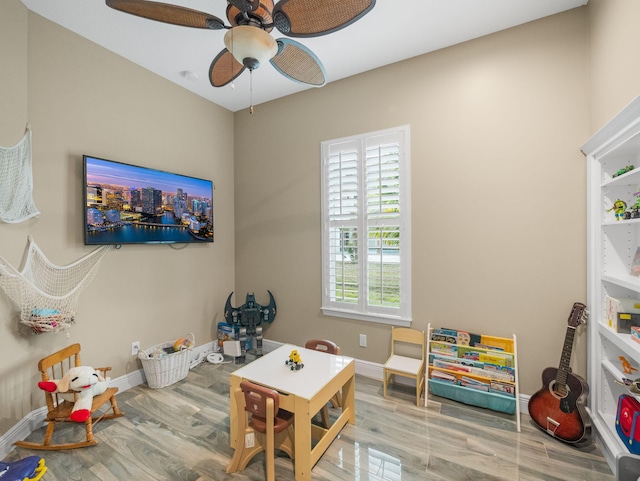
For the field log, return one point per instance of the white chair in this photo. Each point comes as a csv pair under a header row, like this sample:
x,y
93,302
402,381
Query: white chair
x,y
404,365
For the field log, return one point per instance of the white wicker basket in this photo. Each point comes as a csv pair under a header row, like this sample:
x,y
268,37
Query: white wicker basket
x,y
169,368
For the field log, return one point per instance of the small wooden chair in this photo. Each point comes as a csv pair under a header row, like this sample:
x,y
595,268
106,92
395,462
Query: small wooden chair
x,y
330,347
273,427
406,366
59,410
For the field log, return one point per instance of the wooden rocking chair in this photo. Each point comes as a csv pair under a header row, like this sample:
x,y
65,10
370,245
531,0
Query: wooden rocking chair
x,y
59,410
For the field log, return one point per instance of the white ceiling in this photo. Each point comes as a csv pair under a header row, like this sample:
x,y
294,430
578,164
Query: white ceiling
x,y
394,30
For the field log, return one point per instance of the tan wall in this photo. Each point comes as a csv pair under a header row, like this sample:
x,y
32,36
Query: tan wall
x,y
81,99
614,62
498,186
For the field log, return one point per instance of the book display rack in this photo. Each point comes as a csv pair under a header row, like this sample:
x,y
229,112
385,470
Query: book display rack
x,y
474,369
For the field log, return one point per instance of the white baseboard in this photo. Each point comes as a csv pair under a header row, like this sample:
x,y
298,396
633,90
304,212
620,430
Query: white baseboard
x,y
35,418
26,426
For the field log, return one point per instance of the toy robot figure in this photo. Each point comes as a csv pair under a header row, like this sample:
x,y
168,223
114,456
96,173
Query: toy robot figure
x,y
247,318
619,207
295,361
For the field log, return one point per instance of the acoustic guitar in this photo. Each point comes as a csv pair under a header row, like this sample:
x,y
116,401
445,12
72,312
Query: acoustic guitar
x,y
558,408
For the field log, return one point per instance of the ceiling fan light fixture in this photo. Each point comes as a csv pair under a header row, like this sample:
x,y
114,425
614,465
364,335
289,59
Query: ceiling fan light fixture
x,y
251,46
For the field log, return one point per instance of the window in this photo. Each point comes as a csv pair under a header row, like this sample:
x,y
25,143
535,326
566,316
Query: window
x,y
366,230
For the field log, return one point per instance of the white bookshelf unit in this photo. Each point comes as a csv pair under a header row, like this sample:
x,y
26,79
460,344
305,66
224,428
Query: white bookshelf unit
x,y
611,247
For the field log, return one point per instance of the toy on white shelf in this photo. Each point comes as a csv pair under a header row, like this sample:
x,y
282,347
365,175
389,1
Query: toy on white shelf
x,y
619,208
627,368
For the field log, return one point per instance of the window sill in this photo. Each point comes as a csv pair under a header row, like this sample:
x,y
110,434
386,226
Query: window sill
x,y
379,318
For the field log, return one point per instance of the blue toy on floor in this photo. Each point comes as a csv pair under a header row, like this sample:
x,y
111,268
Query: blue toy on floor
x,y
28,469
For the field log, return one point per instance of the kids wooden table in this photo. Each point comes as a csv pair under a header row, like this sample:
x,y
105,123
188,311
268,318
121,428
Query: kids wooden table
x,y
303,392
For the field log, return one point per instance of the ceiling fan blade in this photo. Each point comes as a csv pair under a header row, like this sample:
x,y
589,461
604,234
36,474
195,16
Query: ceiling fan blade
x,y
298,63
312,18
260,14
164,12
224,69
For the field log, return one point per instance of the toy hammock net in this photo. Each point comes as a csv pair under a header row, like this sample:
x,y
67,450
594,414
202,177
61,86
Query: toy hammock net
x,y
46,294
16,181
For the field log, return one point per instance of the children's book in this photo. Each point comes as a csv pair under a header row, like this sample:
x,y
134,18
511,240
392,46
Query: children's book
x,y
445,335
496,358
503,388
444,348
443,376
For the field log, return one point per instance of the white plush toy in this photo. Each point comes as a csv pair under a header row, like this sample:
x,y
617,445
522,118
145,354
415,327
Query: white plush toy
x,y
85,382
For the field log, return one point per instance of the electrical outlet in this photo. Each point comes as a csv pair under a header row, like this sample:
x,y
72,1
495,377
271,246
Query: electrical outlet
x,y
363,340
135,347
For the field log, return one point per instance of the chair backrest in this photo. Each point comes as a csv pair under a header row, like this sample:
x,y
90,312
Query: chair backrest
x,y
255,397
55,366
323,345
407,335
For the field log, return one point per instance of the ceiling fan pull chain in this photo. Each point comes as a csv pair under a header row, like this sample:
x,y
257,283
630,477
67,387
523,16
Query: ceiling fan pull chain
x,y
251,91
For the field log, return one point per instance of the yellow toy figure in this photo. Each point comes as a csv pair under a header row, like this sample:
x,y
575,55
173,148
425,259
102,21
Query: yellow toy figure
x,y
294,361
619,207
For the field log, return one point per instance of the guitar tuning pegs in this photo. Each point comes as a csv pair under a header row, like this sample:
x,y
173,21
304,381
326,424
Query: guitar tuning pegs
x,y
584,317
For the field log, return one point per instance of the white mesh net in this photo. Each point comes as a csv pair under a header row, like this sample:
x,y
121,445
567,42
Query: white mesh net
x,y
46,294
16,181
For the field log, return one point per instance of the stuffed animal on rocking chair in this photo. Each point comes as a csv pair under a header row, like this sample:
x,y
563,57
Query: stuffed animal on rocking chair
x,y
81,384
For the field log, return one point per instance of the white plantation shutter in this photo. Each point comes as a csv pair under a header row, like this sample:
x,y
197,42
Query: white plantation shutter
x,y
342,196
366,227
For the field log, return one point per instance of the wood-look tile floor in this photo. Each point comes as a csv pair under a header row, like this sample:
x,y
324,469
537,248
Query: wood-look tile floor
x,y
181,432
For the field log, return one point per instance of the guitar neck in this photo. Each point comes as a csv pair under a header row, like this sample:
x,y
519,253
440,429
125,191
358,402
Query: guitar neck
x,y
565,358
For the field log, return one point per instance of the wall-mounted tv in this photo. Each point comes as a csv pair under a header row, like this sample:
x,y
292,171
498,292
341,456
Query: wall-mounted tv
x,y
128,204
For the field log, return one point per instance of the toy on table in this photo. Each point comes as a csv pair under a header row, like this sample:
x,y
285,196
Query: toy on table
x,y
624,170
294,361
619,207
27,469
627,368
79,384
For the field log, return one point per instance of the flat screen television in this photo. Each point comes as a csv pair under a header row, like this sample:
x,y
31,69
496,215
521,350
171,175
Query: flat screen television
x,y
129,204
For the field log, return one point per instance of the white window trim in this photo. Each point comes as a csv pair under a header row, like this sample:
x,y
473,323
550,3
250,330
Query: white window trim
x,y
403,315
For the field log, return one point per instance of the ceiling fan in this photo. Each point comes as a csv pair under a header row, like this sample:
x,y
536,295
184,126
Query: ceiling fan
x,y
248,41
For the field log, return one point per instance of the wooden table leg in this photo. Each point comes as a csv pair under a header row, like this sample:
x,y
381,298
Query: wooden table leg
x,y
349,398
302,424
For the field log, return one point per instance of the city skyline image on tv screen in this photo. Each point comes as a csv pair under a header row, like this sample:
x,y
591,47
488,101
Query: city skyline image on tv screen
x,y
128,204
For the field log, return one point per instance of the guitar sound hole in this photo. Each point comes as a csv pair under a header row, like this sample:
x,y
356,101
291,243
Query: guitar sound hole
x,y
559,392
